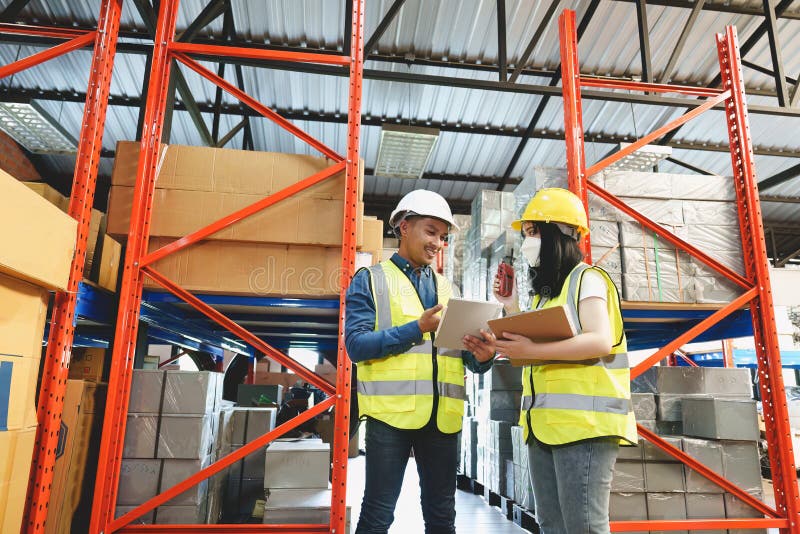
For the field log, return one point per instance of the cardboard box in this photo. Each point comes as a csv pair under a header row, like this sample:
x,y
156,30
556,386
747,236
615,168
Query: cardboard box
x,y
287,380
248,424
79,487
666,506
141,432
297,464
49,194
23,314
93,242
138,480
190,392
185,436
292,506
87,364
627,507
147,388
720,419
232,267
176,471
177,213
709,453
18,385
16,452
110,262
47,233
705,506
373,236
222,170
664,477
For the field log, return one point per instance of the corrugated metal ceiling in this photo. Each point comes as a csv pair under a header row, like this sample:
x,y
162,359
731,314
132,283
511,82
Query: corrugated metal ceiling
x,y
444,30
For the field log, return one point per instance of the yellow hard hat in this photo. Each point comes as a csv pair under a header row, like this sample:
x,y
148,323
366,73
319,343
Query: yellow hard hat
x,y
555,205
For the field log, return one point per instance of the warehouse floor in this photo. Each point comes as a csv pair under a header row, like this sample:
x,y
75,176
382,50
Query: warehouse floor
x,y
473,514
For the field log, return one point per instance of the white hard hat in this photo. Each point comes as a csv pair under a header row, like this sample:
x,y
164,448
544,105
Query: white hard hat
x,y
423,203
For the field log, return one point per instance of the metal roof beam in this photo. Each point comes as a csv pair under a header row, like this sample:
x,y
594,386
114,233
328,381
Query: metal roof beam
x,y
470,178
775,53
689,166
502,40
13,9
719,7
644,40
382,27
210,13
12,95
519,68
765,70
777,179
587,17
666,76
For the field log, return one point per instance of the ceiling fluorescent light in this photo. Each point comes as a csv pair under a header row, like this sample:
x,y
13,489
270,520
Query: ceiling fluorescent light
x,y
643,159
404,151
32,127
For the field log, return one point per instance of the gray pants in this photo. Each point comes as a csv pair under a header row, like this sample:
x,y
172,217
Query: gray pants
x,y
572,484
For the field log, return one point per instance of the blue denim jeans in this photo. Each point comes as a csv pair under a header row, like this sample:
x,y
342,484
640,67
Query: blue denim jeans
x,y
388,450
572,484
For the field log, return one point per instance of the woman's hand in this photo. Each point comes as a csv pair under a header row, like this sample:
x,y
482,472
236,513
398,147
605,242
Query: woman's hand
x,y
482,348
511,302
515,346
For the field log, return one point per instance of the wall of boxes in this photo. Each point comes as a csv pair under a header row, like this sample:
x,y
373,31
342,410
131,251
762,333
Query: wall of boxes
x,y
708,413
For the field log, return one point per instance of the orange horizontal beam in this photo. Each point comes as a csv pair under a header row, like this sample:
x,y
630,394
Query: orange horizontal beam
x,y
697,524
229,529
255,53
42,31
82,40
630,85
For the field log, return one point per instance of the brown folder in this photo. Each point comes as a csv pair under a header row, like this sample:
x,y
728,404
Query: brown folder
x,y
541,326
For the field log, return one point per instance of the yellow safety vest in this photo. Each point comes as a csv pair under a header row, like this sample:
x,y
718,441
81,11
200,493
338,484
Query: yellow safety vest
x,y
568,402
399,389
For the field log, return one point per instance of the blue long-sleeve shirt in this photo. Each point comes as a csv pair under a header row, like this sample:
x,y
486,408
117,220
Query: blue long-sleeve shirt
x,y
363,342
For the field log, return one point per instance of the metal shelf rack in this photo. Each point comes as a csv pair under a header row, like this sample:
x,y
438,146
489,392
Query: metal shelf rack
x,y
755,283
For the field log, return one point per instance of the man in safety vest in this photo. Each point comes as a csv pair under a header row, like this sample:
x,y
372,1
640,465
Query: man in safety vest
x,y
410,392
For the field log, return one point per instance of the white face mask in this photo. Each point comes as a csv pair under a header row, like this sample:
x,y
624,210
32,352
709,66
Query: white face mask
x,y
532,249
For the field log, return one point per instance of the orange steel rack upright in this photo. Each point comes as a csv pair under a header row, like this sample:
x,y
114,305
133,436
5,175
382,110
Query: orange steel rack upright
x,y
55,367
138,264
755,283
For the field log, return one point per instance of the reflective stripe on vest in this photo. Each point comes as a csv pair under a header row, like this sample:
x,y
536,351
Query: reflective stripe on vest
x,y
380,289
572,401
411,387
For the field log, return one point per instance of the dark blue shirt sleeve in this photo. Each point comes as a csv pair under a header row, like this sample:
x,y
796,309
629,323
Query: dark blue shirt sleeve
x,y
471,363
363,342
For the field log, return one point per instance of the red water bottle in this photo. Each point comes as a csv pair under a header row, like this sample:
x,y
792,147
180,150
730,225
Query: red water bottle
x,y
505,272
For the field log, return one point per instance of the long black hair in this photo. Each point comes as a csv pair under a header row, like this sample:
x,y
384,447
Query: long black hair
x,y
560,254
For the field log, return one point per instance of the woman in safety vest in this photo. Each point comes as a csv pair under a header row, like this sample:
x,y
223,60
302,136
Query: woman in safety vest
x,y
576,408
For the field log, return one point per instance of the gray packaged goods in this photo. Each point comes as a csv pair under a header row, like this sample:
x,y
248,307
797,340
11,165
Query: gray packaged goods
x,y
293,506
627,506
741,465
720,419
711,237
705,506
708,453
734,507
608,258
709,212
146,519
300,464
666,506
733,259
714,290
631,452
652,453
693,380
138,481
639,184
669,428
707,187
182,515
147,387
503,377
658,287
190,392
186,436
628,477
253,395
664,477
633,234
140,436
604,234
657,210
649,424
248,424
176,471
664,261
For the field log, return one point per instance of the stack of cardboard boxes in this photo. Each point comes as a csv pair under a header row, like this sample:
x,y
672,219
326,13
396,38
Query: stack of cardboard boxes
x,y
36,252
454,261
713,419
244,480
296,483
493,402
103,253
171,433
645,267
291,248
